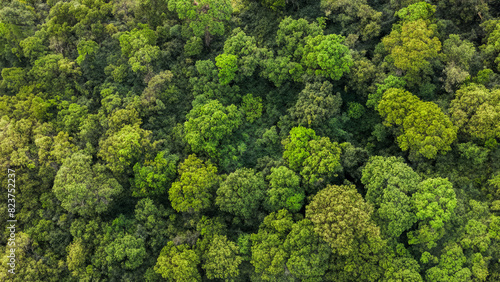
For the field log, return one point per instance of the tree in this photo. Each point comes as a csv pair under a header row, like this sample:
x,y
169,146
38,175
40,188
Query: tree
x,y
425,129
178,263
390,184
139,47
355,17
195,185
412,46
274,5
389,82
154,224
308,252
450,267
342,218
292,35
268,253
17,134
246,50
208,124
491,49
316,104
206,17
222,259
128,251
291,38
476,111
124,148
316,158
227,64
252,107
84,189
153,177
76,258
284,190
420,10
458,54
323,162
241,193
434,201
326,55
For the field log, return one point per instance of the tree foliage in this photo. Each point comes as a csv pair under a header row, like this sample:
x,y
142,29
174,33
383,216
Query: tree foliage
x,y
194,188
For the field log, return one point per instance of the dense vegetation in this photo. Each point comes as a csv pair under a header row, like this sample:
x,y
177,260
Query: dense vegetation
x,y
246,140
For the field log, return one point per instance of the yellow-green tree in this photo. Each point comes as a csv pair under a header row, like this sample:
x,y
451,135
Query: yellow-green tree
x,y
422,127
193,190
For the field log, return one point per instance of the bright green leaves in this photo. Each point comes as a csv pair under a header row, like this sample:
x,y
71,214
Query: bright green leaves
x,y
139,46
304,49
227,65
293,34
86,48
125,147
390,183
241,193
282,247
222,259
284,190
425,129
412,46
128,251
240,58
76,258
419,10
315,158
476,111
434,203
268,253
450,267
492,47
342,218
208,124
84,189
205,17
323,161
252,107
389,82
297,146
178,263
193,190
326,55
307,252
395,104
152,178
133,41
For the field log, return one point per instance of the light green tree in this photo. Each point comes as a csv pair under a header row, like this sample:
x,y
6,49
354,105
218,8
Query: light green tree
x,y
222,259
208,124
390,183
284,190
342,218
83,188
241,193
205,17
424,129
193,190
178,263
434,201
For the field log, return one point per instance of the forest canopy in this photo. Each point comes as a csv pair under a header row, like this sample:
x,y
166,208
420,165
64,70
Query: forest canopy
x,y
250,140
